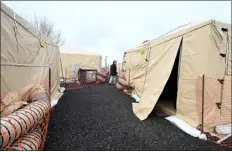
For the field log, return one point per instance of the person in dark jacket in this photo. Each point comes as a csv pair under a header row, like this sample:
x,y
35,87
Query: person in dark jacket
x,y
113,73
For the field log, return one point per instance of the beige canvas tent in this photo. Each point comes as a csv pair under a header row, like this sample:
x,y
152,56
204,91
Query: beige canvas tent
x,y
197,49
26,55
83,58
119,68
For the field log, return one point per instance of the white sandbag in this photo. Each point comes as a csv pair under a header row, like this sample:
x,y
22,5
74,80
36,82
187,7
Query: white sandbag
x,y
224,129
62,89
203,137
137,98
54,102
184,126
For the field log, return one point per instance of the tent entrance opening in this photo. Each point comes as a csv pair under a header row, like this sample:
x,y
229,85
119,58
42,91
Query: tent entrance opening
x,y
167,99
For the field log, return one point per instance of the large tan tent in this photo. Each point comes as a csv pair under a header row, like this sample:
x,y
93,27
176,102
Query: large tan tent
x,y
26,55
83,58
197,49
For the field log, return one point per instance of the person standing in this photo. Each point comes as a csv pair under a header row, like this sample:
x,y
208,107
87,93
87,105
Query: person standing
x,y
113,73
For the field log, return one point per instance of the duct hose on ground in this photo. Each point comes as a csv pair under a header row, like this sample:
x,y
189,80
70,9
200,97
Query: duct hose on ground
x,y
23,120
30,141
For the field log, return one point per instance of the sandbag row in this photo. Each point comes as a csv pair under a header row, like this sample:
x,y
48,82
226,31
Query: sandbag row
x,y
123,84
101,77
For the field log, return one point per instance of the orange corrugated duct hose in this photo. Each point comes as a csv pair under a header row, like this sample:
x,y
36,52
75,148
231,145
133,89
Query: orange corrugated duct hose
x,y
23,120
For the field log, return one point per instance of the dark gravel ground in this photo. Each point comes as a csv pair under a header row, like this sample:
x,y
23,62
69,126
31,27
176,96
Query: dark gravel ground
x,y
101,118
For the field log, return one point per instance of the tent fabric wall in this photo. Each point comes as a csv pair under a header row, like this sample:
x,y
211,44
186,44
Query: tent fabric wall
x,y
149,65
199,56
84,61
23,61
155,72
119,68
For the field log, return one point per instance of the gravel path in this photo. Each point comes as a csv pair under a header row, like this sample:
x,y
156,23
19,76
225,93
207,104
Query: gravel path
x,y
101,118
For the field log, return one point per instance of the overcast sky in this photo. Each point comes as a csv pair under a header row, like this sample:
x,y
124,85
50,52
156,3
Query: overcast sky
x,y
110,28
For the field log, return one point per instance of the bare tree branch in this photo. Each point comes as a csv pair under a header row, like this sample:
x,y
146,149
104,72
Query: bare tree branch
x,y
36,22
48,29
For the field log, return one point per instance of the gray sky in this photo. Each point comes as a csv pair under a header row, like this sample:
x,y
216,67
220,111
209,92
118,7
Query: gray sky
x,y
110,28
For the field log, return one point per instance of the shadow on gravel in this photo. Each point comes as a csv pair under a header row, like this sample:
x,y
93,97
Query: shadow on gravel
x,y
101,118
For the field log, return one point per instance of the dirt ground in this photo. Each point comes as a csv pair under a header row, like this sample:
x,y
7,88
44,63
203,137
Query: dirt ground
x,y
101,118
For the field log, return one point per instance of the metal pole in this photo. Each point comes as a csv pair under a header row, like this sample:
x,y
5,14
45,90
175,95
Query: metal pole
x,y
49,73
61,68
106,62
65,78
203,98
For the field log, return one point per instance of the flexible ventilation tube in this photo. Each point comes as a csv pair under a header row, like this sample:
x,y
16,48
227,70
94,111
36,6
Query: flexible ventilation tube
x,y
30,141
21,121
